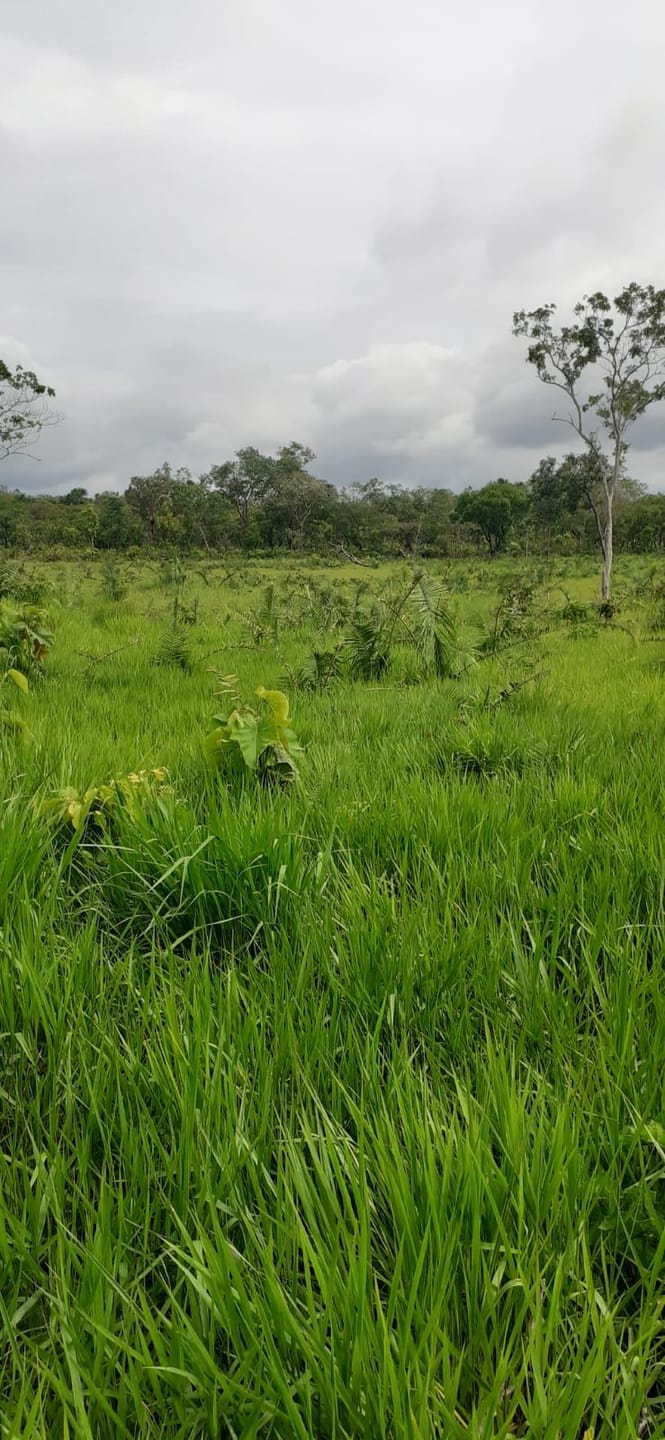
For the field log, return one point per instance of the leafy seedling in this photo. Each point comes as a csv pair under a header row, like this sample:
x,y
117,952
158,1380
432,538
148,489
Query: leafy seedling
x,y
261,740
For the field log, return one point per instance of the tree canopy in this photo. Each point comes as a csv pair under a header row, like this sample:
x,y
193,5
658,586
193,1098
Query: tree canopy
x,y
493,510
295,511
24,409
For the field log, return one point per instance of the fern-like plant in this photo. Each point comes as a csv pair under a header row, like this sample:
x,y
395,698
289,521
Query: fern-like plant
x,y
513,620
368,646
324,668
113,581
174,649
265,622
434,626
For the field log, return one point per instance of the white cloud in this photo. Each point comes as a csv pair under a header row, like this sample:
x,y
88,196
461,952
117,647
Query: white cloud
x,y
253,222
404,381
15,352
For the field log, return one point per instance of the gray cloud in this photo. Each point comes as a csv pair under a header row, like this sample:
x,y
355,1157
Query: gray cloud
x,y
259,222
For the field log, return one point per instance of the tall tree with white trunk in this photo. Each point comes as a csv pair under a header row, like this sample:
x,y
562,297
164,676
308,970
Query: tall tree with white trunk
x,y
611,364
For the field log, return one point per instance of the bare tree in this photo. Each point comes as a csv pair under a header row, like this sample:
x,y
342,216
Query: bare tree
x,y
611,365
24,409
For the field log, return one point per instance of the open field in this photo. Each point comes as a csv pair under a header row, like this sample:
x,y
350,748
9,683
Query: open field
x,y
337,1109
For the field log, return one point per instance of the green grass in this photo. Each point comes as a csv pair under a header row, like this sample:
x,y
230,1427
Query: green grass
x,y
337,1111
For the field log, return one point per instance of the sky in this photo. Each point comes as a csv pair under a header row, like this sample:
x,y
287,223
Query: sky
x,y
234,222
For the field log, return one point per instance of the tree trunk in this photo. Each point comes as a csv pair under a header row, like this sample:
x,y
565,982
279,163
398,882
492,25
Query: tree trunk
x,y
608,548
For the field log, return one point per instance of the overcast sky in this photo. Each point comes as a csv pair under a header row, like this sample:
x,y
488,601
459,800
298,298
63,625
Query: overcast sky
x,y
233,222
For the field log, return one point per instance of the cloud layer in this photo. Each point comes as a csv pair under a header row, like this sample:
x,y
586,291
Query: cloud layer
x,y
254,222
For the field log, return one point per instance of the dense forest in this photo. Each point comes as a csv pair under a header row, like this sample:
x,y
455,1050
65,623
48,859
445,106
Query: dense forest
x,y
263,503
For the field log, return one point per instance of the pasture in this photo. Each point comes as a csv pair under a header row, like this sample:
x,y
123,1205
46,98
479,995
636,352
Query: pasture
x,y
335,1108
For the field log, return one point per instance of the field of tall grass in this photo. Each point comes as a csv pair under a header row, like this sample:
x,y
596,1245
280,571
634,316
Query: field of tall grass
x,y
336,1108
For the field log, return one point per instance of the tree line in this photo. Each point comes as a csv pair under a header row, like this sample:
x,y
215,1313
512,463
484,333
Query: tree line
x,y
609,363
257,503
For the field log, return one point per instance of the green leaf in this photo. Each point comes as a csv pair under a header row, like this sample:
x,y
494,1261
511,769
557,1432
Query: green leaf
x,y
19,679
277,701
244,730
215,744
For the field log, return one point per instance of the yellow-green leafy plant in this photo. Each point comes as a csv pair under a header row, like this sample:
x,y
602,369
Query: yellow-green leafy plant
x,y
24,638
96,804
259,740
10,719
